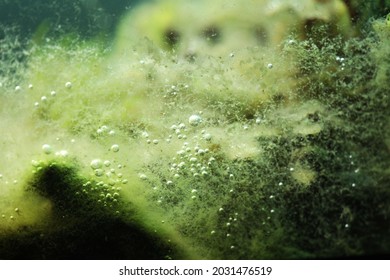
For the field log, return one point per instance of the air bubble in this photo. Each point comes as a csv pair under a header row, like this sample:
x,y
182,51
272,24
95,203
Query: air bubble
x,y
115,148
193,159
207,137
62,153
47,149
195,120
99,172
96,164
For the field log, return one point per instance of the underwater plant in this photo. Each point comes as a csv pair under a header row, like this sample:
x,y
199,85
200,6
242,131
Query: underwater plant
x,y
269,141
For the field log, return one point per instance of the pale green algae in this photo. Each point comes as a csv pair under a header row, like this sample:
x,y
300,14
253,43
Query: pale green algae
x,y
288,161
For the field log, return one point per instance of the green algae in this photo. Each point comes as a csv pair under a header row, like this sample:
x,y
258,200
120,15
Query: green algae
x,y
287,161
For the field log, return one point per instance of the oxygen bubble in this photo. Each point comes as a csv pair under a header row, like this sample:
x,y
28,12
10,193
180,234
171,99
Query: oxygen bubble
x,y
195,120
143,177
107,163
270,66
182,126
47,149
68,84
155,141
30,86
43,98
193,159
53,93
207,137
18,88
115,148
96,164
112,132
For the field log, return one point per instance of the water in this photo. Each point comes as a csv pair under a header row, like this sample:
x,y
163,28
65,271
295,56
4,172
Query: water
x,y
194,129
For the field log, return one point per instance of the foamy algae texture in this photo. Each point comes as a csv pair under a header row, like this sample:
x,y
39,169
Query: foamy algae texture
x,y
275,145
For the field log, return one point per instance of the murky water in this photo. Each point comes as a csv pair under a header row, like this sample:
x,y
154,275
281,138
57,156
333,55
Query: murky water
x,y
194,130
